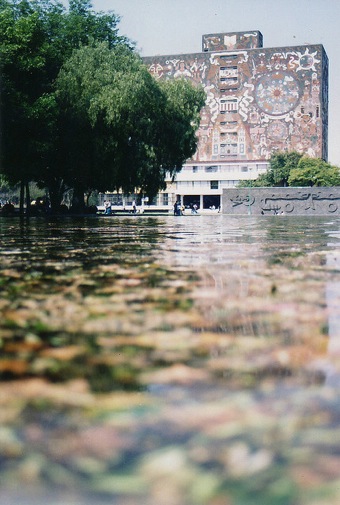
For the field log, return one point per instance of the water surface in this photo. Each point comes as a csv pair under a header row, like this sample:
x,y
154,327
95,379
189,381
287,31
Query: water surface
x,y
170,360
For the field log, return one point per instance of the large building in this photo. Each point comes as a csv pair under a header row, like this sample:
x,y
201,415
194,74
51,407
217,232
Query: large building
x,y
259,100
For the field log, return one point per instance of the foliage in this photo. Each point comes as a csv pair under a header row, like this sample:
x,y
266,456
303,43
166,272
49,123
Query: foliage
x,y
80,109
314,172
4,184
259,182
294,169
281,163
129,130
36,38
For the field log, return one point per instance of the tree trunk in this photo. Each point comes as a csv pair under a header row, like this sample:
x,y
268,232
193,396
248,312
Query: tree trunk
x,y
88,197
28,199
78,202
56,191
22,198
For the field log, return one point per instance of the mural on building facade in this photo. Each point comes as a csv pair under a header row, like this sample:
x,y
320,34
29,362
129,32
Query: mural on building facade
x,y
258,100
231,41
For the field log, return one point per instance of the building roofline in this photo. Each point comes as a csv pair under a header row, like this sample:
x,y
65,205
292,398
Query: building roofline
x,y
231,33
208,54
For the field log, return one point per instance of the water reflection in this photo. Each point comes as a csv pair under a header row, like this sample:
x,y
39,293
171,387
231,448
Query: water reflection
x,y
190,360
333,309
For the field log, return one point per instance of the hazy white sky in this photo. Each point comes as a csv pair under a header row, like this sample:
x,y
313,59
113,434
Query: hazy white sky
x,y
177,26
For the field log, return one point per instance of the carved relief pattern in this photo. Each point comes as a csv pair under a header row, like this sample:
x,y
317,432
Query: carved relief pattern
x,y
316,201
277,93
231,41
258,100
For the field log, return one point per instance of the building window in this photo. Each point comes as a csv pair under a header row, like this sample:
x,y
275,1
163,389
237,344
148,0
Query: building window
x,y
195,169
165,199
229,57
229,71
223,90
228,105
213,184
212,168
231,80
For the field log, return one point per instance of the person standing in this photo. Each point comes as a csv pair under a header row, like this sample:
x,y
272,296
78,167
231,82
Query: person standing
x,y
177,209
107,205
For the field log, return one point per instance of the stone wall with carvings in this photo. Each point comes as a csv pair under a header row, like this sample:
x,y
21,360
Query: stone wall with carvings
x,y
276,201
259,100
231,41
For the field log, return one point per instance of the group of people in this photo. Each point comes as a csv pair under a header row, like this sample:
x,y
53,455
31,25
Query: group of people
x,y
108,209
179,209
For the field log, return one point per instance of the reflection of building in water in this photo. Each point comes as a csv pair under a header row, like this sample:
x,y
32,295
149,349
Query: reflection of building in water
x,y
259,101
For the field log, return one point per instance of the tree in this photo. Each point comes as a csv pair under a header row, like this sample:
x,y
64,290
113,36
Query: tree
x,y
128,129
294,169
80,109
4,185
314,172
36,38
21,73
281,164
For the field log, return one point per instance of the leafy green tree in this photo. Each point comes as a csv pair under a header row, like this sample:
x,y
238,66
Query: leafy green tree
x,y
294,169
36,38
281,164
104,122
314,172
129,130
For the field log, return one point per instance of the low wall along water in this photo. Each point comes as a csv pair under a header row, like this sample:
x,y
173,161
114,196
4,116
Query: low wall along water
x,y
270,201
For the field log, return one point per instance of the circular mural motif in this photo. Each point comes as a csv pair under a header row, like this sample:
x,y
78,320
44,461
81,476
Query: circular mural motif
x,y
277,130
306,61
277,93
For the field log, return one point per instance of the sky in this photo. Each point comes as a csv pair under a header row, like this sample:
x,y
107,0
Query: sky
x,y
176,26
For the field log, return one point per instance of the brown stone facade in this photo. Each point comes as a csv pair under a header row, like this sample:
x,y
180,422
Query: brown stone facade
x,y
259,100
232,41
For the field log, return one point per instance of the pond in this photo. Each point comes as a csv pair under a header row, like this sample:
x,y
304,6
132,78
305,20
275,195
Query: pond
x,y
191,360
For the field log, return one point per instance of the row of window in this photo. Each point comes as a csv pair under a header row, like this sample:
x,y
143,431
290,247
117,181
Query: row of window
x,y
231,105
227,168
206,184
